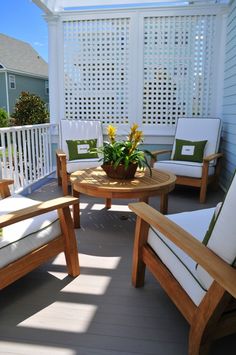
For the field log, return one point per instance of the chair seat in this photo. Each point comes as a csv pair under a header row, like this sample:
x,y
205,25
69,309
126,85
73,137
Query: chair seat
x,y
74,165
179,263
23,237
183,168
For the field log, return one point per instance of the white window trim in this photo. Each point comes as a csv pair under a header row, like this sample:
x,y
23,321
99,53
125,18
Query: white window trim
x,y
12,80
46,87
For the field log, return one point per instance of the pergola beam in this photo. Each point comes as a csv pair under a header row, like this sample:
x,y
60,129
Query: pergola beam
x,y
48,6
54,6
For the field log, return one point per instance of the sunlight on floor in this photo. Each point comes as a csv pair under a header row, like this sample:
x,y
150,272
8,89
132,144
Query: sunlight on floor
x,y
117,208
21,349
62,316
89,284
99,262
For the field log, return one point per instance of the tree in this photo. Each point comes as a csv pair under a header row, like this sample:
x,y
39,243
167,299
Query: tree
x,y
30,109
4,119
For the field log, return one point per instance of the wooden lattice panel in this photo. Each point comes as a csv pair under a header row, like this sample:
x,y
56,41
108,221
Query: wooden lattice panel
x,y
178,70
96,69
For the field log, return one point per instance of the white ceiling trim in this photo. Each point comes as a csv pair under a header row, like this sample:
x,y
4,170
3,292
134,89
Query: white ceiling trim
x,y
54,6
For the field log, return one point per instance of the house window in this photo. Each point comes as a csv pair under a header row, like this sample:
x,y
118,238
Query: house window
x,y
12,81
46,88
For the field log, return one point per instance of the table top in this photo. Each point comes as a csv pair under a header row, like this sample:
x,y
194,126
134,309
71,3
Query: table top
x,y
95,179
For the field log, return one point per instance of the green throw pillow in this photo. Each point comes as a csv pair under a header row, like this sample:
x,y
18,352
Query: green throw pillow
x,y
189,151
81,149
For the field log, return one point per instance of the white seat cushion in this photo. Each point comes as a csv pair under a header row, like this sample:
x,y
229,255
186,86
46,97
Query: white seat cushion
x,y
21,238
74,165
178,262
183,168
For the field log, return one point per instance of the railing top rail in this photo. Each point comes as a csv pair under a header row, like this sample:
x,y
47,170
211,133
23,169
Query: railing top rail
x,y
26,127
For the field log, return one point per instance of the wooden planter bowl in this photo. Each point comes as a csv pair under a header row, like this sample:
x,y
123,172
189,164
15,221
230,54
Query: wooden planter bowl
x,y
120,172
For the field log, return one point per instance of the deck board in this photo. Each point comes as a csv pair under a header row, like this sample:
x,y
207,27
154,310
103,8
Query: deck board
x,y
99,312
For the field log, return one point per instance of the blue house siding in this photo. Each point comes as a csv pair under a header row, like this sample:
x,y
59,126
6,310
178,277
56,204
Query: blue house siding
x,y
3,96
229,100
26,83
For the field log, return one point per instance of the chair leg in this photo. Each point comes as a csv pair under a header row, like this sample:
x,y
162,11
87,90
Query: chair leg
x,y
206,319
64,177
71,251
204,182
138,268
59,182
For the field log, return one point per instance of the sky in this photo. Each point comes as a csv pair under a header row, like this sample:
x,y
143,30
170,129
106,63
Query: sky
x,y
23,20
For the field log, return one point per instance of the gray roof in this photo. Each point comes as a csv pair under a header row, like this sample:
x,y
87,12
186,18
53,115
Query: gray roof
x,y
20,57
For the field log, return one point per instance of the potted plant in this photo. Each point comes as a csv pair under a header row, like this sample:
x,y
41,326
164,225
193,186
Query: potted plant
x,y
122,158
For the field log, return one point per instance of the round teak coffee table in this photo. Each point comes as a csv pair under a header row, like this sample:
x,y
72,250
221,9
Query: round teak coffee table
x,y
94,182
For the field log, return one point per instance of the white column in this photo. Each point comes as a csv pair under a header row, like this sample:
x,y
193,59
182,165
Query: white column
x,y
53,68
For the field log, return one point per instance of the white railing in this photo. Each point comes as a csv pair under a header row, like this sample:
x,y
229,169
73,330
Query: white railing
x,y
25,154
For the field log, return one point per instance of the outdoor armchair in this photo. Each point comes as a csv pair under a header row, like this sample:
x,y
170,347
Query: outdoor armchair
x,y
76,139
192,255
194,135
34,232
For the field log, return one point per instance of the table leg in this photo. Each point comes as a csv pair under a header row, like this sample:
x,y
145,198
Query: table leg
x,y
164,203
108,203
76,210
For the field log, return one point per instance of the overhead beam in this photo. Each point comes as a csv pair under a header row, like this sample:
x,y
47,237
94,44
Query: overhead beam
x,y
48,6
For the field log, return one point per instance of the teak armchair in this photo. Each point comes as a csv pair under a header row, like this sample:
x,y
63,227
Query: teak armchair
x,y
189,173
198,278
76,130
33,234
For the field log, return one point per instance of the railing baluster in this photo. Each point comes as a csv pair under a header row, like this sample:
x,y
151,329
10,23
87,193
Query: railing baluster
x,y
37,153
20,155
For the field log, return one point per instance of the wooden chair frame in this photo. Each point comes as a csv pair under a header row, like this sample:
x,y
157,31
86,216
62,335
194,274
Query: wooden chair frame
x,y
66,242
211,319
63,177
205,179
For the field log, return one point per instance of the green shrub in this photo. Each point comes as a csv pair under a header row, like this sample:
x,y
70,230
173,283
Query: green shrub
x,y
4,119
30,109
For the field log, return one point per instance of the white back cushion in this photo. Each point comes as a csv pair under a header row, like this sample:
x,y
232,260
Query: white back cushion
x,y
77,129
200,129
223,236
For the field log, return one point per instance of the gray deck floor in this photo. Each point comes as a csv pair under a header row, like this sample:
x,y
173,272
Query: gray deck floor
x,y
99,312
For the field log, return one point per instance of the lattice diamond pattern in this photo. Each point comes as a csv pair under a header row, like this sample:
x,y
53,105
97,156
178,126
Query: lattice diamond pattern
x,y
96,67
178,54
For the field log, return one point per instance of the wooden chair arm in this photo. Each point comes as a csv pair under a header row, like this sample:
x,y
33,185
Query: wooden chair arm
x,y
155,153
40,208
4,187
60,153
158,152
6,182
222,272
213,156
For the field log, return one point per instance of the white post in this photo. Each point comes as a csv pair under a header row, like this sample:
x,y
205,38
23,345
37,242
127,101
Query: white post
x,y
53,56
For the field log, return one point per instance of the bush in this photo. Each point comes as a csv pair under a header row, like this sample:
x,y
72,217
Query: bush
x,y
4,119
30,109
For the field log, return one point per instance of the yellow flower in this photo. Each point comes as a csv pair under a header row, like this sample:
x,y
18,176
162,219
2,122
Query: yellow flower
x,y
111,131
133,130
138,136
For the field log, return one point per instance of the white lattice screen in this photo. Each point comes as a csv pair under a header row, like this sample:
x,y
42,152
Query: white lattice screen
x,y
96,67
178,53
102,81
